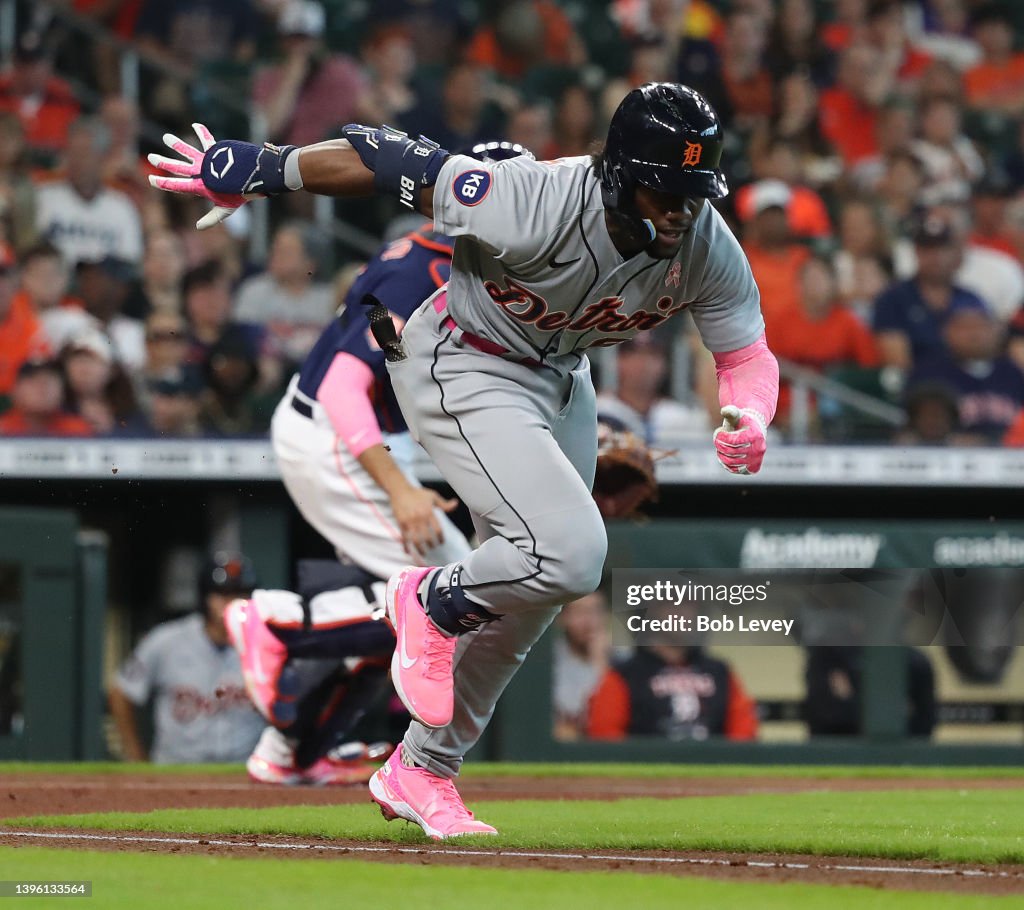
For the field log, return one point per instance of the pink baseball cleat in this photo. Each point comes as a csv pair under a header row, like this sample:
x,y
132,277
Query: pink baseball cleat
x,y
421,668
263,657
418,796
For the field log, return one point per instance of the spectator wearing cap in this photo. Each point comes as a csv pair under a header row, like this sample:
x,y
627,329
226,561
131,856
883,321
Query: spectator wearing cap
x,y
805,210
989,201
640,402
909,315
286,299
82,217
311,92
193,677
231,404
21,334
989,387
17,188
43,102
775,257
97,389
170,403
36,404
996,83
104,286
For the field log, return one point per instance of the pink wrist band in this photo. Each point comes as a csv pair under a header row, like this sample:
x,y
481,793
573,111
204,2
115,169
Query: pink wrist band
x,y
345,396
749,378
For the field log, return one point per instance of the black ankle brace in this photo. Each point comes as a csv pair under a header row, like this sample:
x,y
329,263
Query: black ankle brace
x,y
451,610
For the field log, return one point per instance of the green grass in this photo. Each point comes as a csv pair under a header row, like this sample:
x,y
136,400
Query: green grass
x,y
980,826
592,769
213,883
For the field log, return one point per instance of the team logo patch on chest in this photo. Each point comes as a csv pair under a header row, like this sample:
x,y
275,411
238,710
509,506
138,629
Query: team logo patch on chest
x,y
471,187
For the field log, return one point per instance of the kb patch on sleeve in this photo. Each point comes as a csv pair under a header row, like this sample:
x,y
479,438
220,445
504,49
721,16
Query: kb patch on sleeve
x,y
472,187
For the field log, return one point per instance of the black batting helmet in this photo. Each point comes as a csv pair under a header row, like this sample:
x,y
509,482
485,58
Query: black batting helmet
x,y
227,573
667,137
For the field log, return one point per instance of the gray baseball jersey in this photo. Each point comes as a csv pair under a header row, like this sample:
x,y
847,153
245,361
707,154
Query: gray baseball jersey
x,y
201,710
536,271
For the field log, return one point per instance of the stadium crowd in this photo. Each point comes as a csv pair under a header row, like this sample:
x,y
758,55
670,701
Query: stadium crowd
x,y
875,153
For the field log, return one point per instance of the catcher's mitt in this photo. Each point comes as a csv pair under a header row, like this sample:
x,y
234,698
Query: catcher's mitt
x,y
625,472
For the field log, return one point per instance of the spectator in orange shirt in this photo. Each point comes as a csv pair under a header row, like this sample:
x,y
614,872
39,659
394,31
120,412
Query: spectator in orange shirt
x,y
820,332
672,690
36,404
997,83
523,34
849,110
21,335
775,259
886,30
45,104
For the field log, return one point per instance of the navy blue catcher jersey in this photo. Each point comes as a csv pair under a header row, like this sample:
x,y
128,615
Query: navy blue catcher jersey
x,y
401,276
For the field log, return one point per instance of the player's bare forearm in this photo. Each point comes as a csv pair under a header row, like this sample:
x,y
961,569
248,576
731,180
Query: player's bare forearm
x,y
379,464
333,168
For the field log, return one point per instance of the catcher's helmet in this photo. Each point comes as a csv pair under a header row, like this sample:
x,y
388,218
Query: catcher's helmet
x,y
667,137
227,573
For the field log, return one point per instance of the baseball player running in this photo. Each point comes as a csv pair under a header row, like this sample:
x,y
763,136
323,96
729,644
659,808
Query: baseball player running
x,y
551,258
346,459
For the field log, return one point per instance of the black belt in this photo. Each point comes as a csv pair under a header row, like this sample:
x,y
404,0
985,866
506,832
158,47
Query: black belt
x,y
304,409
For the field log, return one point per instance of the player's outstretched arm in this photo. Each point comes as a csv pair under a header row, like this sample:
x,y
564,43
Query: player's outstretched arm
x,y
230,173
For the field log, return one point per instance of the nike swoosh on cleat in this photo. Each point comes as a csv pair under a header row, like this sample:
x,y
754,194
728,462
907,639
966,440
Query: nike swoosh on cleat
x,y
553,263
403,655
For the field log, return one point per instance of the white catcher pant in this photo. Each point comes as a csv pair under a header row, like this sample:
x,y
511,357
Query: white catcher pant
x,y
336,495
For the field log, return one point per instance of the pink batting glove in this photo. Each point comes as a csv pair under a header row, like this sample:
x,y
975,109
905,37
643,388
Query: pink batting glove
x,y
741,440
186,177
